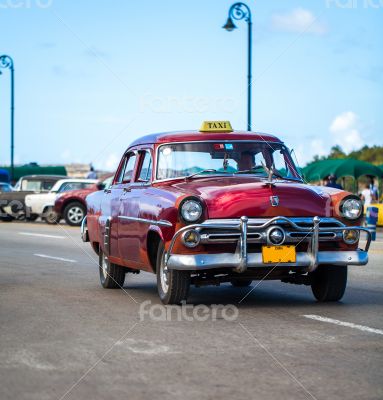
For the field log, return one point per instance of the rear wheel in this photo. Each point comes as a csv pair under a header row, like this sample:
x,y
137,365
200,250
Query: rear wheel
x,y
329,282
173,286
241,282
112,276
74,213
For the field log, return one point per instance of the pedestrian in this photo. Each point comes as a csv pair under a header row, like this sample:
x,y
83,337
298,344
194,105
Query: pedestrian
x,y
91,174
366,195
331,182
374,191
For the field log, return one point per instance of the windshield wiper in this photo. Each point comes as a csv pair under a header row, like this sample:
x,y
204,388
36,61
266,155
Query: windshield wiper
x,y
248,171
203,171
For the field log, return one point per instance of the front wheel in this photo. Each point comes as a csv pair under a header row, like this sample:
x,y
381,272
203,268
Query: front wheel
x,y
329,282
112,276
50,216
173,286
74,213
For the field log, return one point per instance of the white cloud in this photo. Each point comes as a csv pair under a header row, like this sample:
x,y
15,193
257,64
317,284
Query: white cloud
x,y
110,163
298,20
305,152
345,131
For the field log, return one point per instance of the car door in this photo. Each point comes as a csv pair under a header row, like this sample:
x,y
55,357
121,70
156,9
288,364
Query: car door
x,y
113,197
132,230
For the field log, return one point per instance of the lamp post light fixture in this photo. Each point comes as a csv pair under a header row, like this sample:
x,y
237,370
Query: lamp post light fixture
x,y
7,62
239,11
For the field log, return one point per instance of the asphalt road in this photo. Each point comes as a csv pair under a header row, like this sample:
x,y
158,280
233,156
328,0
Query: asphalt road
x,y
64,337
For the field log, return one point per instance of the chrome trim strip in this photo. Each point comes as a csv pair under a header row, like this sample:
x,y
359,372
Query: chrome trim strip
x,y
200,262
161,222
260,223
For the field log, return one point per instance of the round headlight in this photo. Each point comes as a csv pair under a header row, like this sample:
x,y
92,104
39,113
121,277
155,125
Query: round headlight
x,y
191,210
352,208
350,236
191,238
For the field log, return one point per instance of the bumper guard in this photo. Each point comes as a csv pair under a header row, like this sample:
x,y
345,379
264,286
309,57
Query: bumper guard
x,y
241,259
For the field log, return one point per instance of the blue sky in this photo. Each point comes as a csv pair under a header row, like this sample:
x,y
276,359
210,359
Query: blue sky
x,y
91,76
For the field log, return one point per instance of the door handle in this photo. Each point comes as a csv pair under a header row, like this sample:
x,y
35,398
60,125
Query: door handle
x,y
127,189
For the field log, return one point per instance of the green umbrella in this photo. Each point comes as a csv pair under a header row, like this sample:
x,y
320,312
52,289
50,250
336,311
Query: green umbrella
x,y
341,168
32,170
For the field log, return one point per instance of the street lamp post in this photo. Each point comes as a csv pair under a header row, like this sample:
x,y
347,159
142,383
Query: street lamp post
x,y
7,62
239,11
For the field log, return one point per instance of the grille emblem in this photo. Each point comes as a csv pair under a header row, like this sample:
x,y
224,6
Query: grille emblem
x,y
274,200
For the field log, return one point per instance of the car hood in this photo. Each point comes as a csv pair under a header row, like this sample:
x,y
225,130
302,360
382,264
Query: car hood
x,y
233,197
78,192
40,197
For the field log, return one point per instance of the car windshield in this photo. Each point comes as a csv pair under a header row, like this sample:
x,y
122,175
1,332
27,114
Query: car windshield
x,y
67,186
185,159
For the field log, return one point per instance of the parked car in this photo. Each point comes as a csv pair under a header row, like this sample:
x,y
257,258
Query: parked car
x,y
42,204
220,206
5,187
71,205
4,176
12,204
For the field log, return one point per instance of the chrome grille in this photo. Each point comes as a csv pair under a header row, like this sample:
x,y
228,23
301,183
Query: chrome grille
x,y
296,229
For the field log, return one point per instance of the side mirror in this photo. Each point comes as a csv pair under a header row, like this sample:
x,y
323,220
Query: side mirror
x,y
100,186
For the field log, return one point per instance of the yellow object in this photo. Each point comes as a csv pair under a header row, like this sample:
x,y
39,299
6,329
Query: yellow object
x,y
278,254
216,126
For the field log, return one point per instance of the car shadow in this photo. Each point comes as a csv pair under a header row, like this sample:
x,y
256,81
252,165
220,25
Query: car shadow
x,y
259,295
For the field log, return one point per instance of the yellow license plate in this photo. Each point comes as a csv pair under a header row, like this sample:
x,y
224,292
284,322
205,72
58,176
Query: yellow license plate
x,y
278,254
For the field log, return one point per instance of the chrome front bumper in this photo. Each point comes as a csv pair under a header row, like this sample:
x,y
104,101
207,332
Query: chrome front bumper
x,y
242,259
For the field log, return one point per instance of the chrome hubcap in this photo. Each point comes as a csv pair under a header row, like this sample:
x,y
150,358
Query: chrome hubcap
x,y
75,214
104,267
164,275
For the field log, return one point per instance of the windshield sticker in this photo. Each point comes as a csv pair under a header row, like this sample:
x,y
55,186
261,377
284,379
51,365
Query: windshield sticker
x,y
229,146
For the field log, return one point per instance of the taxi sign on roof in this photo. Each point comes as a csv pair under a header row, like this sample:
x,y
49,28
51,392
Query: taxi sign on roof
x,y
216,126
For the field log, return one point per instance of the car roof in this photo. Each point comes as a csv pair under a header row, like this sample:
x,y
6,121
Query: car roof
x,y
73,180
195,136
76,180
49,177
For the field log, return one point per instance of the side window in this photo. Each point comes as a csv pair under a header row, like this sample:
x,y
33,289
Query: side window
x,y
146,167
129,168
47,185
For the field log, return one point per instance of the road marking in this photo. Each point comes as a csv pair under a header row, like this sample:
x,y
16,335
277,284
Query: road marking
x,y
342,323
55,258
41,235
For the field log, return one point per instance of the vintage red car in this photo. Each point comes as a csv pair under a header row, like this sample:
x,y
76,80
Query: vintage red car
x,y
213,206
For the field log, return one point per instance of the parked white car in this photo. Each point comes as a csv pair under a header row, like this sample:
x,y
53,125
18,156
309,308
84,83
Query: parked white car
x,y
42,204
